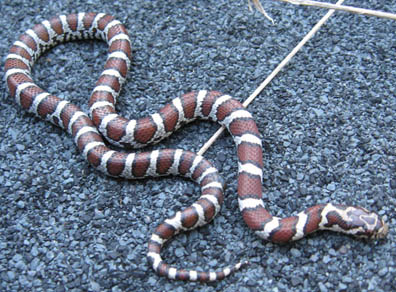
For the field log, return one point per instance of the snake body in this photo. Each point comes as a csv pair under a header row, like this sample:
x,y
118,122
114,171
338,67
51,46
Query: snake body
x,y
87,132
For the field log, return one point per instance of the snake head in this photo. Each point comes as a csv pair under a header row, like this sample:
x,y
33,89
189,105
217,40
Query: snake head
x,y
365,224
353,220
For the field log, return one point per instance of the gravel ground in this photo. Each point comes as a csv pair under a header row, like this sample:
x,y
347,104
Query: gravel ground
x,y
328,126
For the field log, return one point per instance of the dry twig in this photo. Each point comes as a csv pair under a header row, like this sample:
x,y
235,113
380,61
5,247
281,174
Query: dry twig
x,y
260,8
325,5
351,9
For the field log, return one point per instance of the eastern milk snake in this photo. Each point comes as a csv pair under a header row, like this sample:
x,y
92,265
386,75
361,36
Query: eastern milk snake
x,y
119,131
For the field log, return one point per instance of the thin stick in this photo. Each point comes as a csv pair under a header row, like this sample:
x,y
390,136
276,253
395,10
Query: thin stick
x,y
260,8
351,9
273,74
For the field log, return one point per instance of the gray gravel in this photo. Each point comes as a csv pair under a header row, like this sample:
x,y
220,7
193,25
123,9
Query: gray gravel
x,y
328,126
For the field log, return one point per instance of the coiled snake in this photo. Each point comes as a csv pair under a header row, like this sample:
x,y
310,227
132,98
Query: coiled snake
x,y
87,133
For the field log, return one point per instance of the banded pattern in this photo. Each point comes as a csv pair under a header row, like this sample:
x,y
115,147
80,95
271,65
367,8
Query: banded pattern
x,y
87,133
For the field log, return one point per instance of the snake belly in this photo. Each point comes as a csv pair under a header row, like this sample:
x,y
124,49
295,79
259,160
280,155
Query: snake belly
x,y
88,132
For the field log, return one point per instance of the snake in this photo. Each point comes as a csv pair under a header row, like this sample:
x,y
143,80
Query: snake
x,y
94,131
